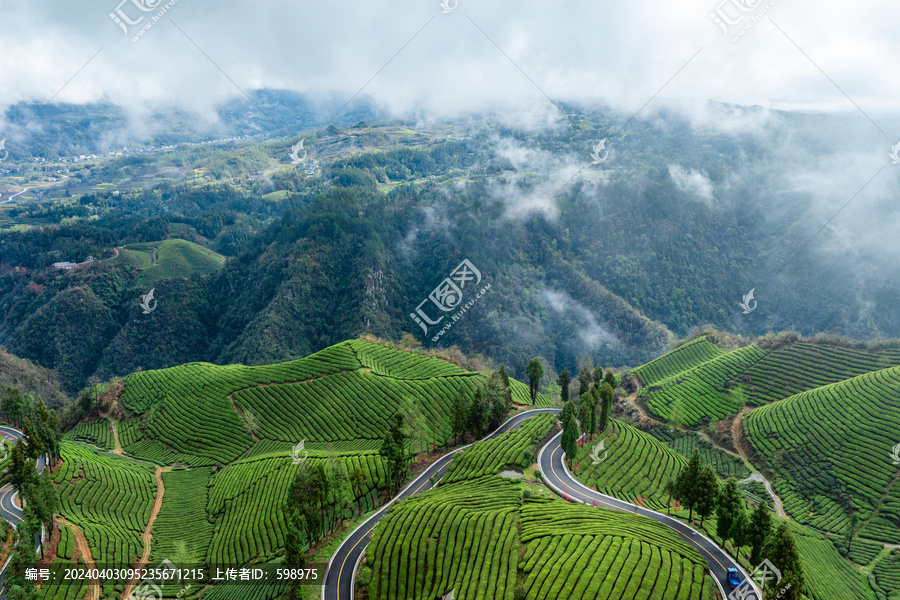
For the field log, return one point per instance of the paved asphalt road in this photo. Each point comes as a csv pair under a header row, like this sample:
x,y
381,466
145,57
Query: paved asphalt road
x,y
8,508
338,583
555,474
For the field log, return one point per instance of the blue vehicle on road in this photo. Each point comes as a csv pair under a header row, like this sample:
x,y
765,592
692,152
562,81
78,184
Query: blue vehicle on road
x,y
734,579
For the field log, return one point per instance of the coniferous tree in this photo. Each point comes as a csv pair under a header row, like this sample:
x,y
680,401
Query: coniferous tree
x,y
687,484
569,440
610,378
670,488
459,412
476,417
587,411
504,376
567,414
740,529
294,548
394,451
597,375
729,503
534,370
564,380
24,556
21,468
606,398
760,527
707,491
781,550
584,381
33,446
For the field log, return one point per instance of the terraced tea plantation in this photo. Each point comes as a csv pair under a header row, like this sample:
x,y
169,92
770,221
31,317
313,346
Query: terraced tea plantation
x,y
636,466
805,366
464,537
832,444
109,498
685,357
224,438
726,465
827,575
577,551
345,393
700,392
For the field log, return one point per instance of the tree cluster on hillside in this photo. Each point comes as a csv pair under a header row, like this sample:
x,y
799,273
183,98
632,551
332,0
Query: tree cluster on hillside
x,y
321,492
595,389
472,419
697,488
41,438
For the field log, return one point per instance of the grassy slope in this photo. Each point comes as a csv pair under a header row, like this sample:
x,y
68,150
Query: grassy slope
x,y
174,258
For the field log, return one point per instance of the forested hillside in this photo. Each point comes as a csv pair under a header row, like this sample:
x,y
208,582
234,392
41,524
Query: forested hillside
x,y
627,255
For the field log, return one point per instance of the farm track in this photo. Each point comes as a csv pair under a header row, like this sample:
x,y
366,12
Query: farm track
x,y
147,536
81,545
118,446
737,433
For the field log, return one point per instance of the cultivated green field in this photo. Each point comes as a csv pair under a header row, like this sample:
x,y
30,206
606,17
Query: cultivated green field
x,y
343,394
830,451
684,444
805,366
636,468
700,392
487,538
109,498
224,437
167,259
686,356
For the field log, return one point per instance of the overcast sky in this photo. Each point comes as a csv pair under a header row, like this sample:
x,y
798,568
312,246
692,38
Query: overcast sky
x,y
617,52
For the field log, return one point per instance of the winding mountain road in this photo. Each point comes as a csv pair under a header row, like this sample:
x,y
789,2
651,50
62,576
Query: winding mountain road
x,y
341,570
8,509
554,472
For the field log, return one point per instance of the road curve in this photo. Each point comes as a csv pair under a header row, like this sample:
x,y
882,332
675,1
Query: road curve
x,y
554,472
8,509
339,575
